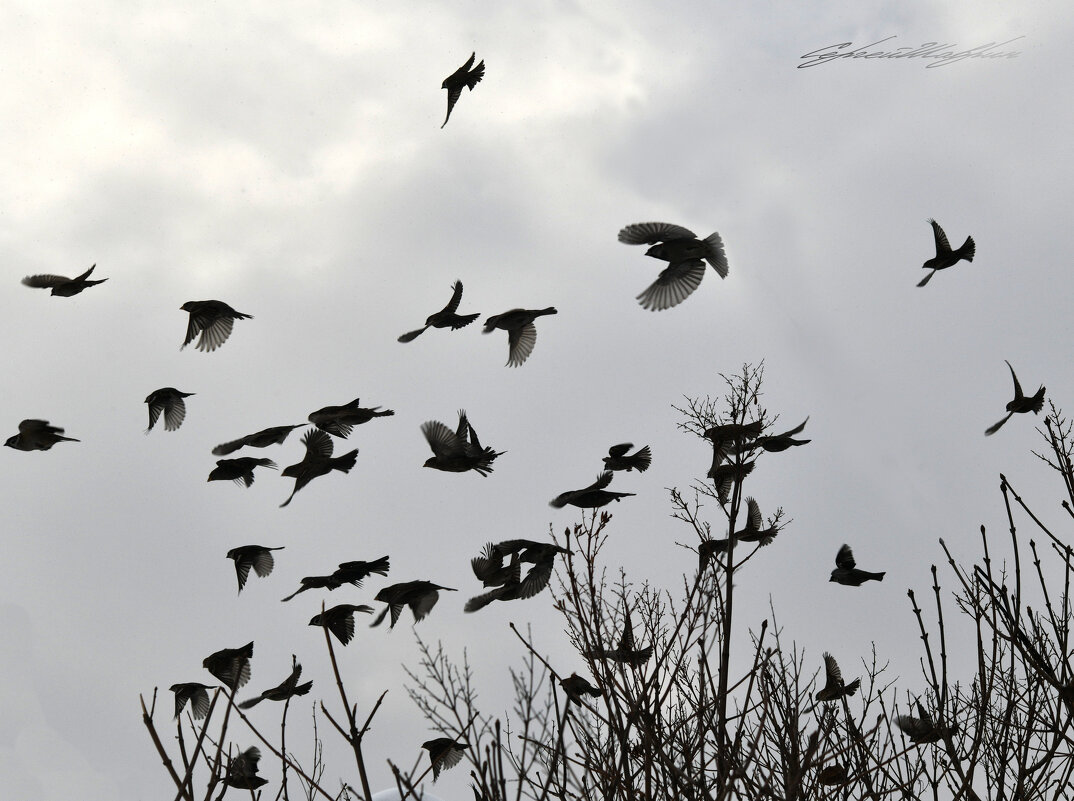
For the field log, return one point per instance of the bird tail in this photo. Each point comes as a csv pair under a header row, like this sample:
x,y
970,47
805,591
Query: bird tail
x,y
878,576
968,249
463,320
346,462
925,280
549,310
642,459
715,255
412,335
1038,403
385,413
476,75
992,429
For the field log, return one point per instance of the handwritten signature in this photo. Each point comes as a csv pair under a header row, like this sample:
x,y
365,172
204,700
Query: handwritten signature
x,y
943,53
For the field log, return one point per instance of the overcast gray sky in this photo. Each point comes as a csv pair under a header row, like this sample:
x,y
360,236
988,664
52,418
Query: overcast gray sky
x,y
289,161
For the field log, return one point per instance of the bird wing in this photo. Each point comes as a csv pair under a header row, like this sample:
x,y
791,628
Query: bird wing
x,y
650,233
230,447
992,429
263,562
715,255
942,245
456,297
833,677
453,94
845,558
342,625
214,333
520,342
156,406
423,604
536,579
1018,395
603,480
489,562
619,451
410,336
242,569
626,641
174,413
753,519
35,427
318,444
45,280
443,441
675,284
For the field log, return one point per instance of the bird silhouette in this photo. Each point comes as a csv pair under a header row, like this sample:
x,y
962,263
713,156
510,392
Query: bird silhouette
x,y
355,572
576,686
834,688
625,652
37,435
457,451
521,332
461,77
446,317
592,497
515,587
420,596
194,692
283,691
617,458
489,567
213,319
686,256
316,583
1020,405
170,401
340,620
945,257
341,420
832,774
754,530
775,443
317,462
231,665
923,729
444,753
60,285
240,470
846,571
257,557
724,476
262,439
242,771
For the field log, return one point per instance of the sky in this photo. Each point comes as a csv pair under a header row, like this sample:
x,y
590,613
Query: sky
x,y
289,160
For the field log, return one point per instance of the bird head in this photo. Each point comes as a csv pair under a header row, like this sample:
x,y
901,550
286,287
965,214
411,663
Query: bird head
x,y
12,442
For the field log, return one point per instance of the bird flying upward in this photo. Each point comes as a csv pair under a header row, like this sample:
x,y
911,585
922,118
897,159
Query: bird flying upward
x,y
834,688
618,459
317,462
1020,405
463,76
446,317
457,451
846,570
945,257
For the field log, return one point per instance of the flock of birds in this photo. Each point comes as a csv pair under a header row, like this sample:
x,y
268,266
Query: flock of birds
x,y
499,567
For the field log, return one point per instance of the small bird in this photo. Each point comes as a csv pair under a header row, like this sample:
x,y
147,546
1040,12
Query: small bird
x,y
489,567
521,332
686,256
834,688
240,470
446,317
212,319
37,435
1019,405
341,420
262,439
753,531
847,573
625,653
231,665
444,753
923,729
340,620
724,476
256,556
617,458
515,587
420,596
317,462
458,451
832,774
355,572
775,443
592,497
576,686
945,257
242,771
170,401
316,583
194,692
732,436
60,285
285,690
461,77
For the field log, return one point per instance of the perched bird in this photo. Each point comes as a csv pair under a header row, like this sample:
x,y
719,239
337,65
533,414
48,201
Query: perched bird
x,y
212,319
576,686
61,285
446,317
285,690
170,401
256,556
198,696
515,587
341,420
356,571
834,688
521,332
444,753
753,531
317,462
923,729
617,458
945,257
592,497
1019,405
340,620
37,435
625,653
262,439
231,665
242,770
457,451
316,583
847,573
420,596
832,774
461,77
774,443
724,476
686,256
240,470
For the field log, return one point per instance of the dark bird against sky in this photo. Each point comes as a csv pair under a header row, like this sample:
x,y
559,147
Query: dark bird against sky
x,y
521,332
240,470
230,665
945,257
592,497
340,620
834,688
420,596
317,462
446,317
262,439
213,319
60,285
463,76
194,692
847,572
457,451
37,435
341,420
1020,405
444,753
618,459
285,690
686,256
257,557
170,401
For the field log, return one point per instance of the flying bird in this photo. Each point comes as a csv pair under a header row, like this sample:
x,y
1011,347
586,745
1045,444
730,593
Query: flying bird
x,y
257,557
341,420
463,76
240,470
356,571
724,476
444,753
231,665
317,462
420,596
37,435
592,497
576,686
753,530
242,771
846,571
316,583
686,256
340,620
775,443
60,285
170,401
834,688
515,587
1019,405
923,729
945,257
489,567
194,692
521,332
262,439
617,458
446,317
284,691
625,652
213,319
457,451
